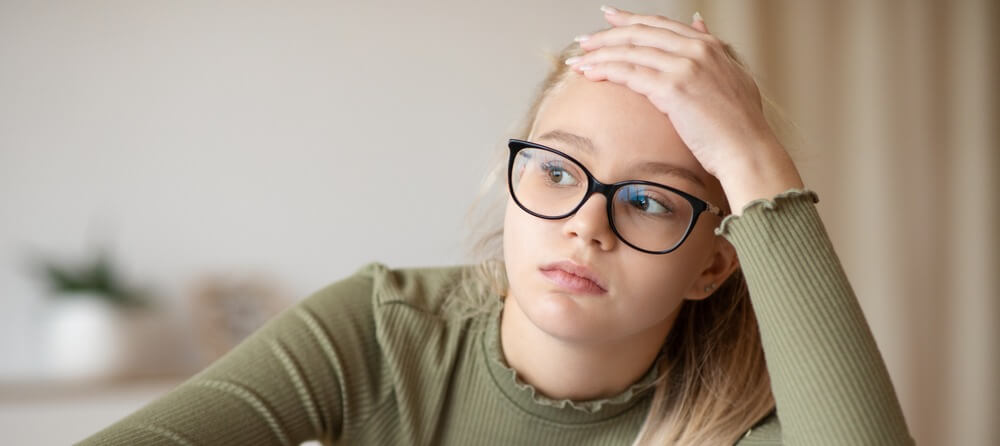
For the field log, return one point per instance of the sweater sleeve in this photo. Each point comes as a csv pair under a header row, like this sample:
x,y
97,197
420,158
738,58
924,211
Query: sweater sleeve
x,y
283,385
829,381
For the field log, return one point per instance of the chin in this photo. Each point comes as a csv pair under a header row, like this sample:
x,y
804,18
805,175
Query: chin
x,y
564,316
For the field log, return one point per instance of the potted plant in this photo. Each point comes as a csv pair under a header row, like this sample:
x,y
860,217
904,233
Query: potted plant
x,y
85,324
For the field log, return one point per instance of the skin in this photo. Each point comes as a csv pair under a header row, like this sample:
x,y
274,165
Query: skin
x,y
629,99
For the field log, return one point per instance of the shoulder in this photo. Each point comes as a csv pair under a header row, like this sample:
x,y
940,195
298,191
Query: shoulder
x,y
423,289
378,286
371,319
382,304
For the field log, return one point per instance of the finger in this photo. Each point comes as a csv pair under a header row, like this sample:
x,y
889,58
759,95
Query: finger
x,y
647,56
619,17
645,35
698,23
644,80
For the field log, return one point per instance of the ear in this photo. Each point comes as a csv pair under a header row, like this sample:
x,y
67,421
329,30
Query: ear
x,y
718,267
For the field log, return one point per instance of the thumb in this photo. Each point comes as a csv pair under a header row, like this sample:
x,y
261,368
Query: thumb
x,y
698,23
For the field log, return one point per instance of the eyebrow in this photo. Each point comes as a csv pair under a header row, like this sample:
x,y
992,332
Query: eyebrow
x,y
648,168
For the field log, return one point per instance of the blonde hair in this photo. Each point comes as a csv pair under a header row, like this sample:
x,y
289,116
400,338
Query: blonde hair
x,y
713,383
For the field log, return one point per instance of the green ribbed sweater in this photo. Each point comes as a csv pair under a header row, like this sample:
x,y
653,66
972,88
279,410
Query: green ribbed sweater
x,y
372,359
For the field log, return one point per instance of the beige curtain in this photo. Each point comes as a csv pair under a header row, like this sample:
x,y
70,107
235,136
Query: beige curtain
x,y
897,105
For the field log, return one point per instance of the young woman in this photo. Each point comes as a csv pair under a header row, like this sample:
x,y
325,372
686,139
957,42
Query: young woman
x,y
661,276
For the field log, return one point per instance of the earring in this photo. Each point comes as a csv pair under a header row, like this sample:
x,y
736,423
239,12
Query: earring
x,y
709,287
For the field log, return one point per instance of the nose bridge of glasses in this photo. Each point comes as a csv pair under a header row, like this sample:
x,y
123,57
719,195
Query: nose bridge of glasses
x,y
597,189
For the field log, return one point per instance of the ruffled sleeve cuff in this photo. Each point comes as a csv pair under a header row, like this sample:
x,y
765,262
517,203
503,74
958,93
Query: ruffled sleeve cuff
x,y
790,200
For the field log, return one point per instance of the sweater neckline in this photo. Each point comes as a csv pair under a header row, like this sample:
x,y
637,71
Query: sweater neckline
x,y
566,411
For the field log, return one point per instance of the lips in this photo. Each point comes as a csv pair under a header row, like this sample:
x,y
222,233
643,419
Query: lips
x,y
575,277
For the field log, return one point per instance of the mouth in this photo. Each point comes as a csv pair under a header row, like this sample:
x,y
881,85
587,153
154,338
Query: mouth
x,y
574,278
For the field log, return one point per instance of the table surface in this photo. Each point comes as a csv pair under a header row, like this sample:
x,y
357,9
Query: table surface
x,y
29,409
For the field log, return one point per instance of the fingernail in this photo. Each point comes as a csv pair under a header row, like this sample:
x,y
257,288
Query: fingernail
x,y
572,60
585,67
697,17
608,10
581,37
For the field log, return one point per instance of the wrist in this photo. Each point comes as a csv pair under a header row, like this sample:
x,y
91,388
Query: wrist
x,y
767,174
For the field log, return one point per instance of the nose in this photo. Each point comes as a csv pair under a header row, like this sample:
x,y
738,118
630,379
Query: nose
x,y
590,223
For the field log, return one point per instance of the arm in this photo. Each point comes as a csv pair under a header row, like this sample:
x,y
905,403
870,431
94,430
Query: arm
x,y
829,381
281,386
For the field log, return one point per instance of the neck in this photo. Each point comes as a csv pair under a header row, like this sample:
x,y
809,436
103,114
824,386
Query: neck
x,y
577,370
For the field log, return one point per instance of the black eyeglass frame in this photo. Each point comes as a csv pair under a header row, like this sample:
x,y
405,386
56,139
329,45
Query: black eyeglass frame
x,y
608,190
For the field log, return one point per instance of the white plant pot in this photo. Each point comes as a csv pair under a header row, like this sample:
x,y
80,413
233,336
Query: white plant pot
x,y
82,338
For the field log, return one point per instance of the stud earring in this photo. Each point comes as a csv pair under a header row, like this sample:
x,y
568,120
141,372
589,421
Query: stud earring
x,y
709,287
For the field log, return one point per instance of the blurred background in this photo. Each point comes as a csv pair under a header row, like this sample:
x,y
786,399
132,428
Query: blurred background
x,y
174,173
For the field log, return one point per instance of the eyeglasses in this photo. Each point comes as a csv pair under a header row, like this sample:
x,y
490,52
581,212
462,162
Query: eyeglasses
x,y
650,217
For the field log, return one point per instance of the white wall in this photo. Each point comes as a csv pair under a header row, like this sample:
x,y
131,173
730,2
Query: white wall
x,y
297,139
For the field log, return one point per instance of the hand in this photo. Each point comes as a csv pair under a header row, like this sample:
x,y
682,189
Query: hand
x,y
713,103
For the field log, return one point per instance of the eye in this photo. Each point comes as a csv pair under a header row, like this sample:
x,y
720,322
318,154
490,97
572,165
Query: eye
x,y
649,203
556,174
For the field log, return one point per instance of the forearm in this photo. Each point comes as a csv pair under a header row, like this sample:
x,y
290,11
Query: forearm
x,y
829,381
282,385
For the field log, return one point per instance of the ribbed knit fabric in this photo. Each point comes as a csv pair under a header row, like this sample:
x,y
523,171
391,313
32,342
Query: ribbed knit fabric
x,y
829,382
373,359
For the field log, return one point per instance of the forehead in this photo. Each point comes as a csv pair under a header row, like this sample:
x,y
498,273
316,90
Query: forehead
x,y
622,125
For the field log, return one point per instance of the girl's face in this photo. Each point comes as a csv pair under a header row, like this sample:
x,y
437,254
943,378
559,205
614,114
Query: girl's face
x,y
643,292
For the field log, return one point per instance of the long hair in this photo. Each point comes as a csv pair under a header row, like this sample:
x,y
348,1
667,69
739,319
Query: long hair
x,y
713,383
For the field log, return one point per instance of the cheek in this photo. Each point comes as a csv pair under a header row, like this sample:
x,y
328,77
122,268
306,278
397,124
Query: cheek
x,y
680,269
656,282
528,242
670,276
699,242
521,229
516,235
513,251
